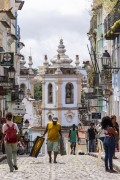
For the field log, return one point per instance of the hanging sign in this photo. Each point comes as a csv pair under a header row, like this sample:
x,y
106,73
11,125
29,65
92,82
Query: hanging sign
x,y
6,58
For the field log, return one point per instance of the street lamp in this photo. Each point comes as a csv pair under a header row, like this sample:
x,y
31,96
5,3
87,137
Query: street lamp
x,y
11,72
106,61
21,94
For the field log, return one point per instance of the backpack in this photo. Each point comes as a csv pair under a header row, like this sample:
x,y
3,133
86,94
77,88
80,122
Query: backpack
x,y
11,136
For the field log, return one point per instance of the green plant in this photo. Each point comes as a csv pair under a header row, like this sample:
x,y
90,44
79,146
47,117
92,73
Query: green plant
x,y
38,91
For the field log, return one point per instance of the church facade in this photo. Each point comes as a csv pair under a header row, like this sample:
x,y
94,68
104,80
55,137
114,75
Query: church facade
x,y
61,88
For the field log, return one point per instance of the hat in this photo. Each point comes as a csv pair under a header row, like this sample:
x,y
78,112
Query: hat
x,y
55,119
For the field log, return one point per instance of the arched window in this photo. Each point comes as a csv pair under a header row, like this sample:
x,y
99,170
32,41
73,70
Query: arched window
x,y
50,93
69,93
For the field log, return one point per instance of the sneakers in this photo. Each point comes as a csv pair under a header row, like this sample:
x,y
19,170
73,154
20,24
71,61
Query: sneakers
x,y
112,171
15,167
55,162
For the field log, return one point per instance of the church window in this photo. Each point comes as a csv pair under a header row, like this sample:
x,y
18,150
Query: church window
x,y
69,93
50,93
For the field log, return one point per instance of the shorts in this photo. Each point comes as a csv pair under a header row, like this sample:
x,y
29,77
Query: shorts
x,y
73,144
52,146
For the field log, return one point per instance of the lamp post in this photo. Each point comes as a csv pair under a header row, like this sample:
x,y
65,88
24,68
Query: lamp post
x,y
11,72
106,61
11,75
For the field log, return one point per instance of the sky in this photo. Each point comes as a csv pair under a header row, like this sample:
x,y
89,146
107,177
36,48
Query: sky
x,y
44,22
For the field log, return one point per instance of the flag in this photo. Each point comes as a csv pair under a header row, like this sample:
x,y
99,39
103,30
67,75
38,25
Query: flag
x,y
37,146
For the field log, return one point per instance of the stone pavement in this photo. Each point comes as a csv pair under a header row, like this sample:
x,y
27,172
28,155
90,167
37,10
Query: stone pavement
x,y
69,167
116,162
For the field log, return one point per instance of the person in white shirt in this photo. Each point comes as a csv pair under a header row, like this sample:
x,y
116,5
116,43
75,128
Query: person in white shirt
x,y
100,131
10,136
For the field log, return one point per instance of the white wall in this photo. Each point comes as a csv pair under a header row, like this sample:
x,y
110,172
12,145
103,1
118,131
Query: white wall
x,y
64,105
64,121
29,111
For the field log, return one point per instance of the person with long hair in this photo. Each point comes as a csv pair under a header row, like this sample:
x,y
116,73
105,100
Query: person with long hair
x,y
116,127
109,142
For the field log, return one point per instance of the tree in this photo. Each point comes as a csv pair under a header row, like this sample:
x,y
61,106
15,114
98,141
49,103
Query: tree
x,y
108,4
38,92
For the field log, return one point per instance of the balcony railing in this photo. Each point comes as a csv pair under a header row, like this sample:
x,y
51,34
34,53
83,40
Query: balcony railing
x,y
112,23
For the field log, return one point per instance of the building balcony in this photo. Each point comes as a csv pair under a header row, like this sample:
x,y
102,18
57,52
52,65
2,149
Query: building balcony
x,y
11,37
112,23
5,23
21,45
8,12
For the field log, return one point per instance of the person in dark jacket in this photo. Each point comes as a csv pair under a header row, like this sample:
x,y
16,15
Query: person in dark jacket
x,y
91,137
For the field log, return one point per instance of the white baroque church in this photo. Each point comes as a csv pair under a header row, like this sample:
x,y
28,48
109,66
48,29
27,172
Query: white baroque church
x,y
61,83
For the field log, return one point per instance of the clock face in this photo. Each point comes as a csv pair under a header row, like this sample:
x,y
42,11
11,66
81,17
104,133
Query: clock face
x,y
7,57
69,118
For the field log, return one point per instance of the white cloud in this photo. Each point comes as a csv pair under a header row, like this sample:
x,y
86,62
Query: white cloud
x,y
44,22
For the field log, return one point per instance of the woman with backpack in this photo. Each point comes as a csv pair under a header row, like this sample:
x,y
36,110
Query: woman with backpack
x,y
10,137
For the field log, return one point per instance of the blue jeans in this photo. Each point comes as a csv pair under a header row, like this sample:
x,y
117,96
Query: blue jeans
x,y
92,145
109,146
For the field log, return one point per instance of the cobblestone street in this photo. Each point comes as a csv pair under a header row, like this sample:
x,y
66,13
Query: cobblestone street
x,y
67,168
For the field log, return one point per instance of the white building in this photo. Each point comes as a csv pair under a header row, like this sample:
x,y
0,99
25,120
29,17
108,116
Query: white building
x,y
61,88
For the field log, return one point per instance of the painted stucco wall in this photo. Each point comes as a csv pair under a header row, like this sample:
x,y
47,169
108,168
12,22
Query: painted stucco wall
x,y
57,108
64,121
30,115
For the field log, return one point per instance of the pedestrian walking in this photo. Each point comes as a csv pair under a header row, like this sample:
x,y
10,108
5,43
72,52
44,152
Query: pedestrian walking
x,y
10,136
91,137
116,127
73,136
109,142
54,131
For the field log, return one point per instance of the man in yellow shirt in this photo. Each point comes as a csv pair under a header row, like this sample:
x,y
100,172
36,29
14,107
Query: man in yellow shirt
x,y
54,131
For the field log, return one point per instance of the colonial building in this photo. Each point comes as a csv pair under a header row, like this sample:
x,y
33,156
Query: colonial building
x,y
10,47
61,83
